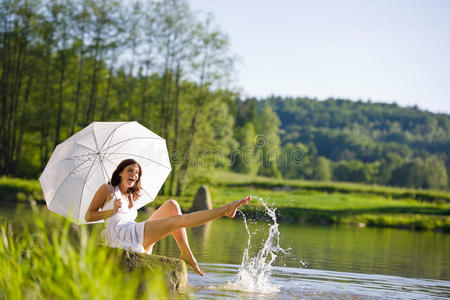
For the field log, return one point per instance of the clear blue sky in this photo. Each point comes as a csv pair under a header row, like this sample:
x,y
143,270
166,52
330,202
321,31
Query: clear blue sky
x,y
386,51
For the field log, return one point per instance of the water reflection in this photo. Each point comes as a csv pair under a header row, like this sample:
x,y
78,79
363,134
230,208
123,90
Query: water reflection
x,y
335,248
321,284
339,248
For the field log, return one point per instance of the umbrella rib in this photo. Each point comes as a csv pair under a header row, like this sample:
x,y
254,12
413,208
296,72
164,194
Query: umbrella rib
x,y
151,198
79,156
81,169
86,160
109,153
67,176
112,133
110,137
143,158
148,194
82,189
105,174
112,162
122,142
86,147
99,164
95,137
133,138
98,150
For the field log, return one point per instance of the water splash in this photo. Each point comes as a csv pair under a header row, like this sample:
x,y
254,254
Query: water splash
x,y
254,272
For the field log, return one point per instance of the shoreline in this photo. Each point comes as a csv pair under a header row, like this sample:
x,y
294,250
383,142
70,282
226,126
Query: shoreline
x,y
316,208
287,215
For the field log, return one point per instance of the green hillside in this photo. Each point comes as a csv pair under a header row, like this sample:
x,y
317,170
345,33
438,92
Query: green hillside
x,y
366,142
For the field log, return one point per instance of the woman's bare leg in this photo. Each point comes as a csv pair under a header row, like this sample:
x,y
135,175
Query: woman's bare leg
x,y
156,229
171,208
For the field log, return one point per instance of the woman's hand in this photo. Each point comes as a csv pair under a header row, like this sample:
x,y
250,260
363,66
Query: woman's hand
x,y
117,205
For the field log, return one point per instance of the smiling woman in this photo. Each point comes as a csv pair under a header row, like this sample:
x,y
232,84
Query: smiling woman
x,y
114,202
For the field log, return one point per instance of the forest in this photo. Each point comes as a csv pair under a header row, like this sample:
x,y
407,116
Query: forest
x,y
65,64
343,140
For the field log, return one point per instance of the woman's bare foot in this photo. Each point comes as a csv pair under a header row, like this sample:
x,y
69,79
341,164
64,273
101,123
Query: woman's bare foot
x,y
189,258
230,208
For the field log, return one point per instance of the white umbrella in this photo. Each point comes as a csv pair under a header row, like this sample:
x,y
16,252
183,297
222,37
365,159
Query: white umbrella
x,y
86,160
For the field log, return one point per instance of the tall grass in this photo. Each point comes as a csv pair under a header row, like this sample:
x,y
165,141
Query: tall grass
x,y
52,263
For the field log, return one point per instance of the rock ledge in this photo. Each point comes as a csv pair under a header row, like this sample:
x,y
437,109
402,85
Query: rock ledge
x,y
174,269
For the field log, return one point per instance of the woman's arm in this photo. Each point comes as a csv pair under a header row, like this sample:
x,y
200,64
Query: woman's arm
x,y
103,193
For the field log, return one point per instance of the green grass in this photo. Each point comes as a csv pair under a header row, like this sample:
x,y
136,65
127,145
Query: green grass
x,y
20,189
408,221
231,179
305,201
327,201
39,262
321,207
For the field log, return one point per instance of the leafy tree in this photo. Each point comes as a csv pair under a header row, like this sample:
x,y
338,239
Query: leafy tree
x,y
352,171
436,176
387,166
267,141
294,161
244,158
410,173
322,170
66,63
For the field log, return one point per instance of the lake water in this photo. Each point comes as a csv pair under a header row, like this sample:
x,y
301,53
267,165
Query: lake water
x,y
320,262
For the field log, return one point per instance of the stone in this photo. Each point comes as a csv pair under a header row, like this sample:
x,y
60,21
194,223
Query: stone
x,y
174,269
202,199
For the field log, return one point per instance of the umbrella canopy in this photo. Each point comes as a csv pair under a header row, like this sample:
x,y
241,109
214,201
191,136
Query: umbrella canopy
x,y
86,160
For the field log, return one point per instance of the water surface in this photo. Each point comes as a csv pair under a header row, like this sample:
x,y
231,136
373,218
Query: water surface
x,y
387,251
321,262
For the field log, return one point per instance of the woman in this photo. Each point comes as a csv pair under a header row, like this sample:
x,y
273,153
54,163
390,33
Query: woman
x,y
114,202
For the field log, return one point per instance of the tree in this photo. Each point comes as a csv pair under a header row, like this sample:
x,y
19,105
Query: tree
x,y
322,171
17,22
294,161
210,66
410,173
387,166
436,176
267,141
105,29
244,159
351,171
175,26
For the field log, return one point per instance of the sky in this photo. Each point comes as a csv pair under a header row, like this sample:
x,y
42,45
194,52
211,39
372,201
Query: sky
x,y
383,51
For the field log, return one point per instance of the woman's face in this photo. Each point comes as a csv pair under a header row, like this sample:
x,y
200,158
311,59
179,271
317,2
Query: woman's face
x,y
129,175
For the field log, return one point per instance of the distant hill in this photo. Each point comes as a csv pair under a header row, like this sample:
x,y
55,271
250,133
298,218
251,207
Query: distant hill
x,y
385,143
344,129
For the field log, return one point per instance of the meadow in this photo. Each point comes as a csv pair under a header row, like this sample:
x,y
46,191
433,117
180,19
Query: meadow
x,y
332,202
300,201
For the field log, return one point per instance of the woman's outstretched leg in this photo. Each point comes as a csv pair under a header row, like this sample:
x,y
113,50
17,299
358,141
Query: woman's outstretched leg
x,y
171,208
156,229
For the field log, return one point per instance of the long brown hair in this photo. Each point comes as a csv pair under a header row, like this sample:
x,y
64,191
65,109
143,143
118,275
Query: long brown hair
x,y
115,178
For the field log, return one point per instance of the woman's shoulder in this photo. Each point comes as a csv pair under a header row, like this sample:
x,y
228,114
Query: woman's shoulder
x,y
107,188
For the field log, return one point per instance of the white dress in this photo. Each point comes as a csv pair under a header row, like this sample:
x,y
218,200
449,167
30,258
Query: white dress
x,y
121,231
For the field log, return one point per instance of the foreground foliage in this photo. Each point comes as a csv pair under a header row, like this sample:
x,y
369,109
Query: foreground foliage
x,y
38,262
